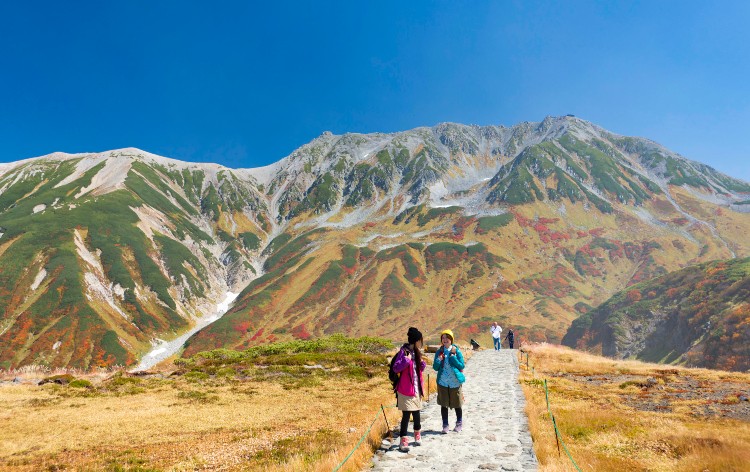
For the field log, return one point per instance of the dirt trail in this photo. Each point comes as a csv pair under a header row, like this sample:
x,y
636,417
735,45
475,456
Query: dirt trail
x,y
495,432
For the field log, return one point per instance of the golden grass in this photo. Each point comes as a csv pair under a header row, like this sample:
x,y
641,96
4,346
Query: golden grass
x,y
628,415
183,425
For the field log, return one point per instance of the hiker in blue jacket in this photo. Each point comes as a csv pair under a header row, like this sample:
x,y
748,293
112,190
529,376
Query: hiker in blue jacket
x,y
449,364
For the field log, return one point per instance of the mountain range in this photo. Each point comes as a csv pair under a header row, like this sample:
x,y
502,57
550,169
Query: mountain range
x,y
455,226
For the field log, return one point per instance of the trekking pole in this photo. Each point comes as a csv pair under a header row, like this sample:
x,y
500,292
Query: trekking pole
x,y
428,388
390,432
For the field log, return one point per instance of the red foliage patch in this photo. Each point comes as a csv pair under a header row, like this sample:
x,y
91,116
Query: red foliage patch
x,y
634,296
300,332
473,329
493,295
523,222
242,327
350,309
541,226
554,283
459,227
681,221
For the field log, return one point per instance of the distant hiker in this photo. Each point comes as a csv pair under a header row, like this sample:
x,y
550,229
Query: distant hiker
x,y
410,365
496,332
449,364
509,336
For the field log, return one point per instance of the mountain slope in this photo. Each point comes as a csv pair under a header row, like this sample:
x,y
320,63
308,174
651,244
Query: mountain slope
x,y
365,234
100,254
699,316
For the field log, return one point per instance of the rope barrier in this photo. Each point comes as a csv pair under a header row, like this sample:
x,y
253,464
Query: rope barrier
x,y
558,436
367,433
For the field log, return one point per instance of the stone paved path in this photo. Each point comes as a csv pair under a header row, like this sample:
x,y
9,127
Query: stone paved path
x,y
495,435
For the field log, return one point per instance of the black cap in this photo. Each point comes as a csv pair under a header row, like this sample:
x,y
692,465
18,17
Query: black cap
x,y
413,335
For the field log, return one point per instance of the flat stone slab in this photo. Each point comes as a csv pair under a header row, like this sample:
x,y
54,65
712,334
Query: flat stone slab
x,y
495,427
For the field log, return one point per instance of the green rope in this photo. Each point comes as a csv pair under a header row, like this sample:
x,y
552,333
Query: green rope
x,y
377,415
557,431
554,423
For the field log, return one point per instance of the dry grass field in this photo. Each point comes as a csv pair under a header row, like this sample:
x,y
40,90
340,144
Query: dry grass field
x,y
628,415
290,409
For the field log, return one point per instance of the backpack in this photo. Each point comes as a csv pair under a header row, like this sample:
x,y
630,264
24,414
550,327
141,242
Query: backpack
x,y
393,376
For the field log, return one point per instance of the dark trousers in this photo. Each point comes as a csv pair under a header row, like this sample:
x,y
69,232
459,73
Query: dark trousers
x,y
510,342
444,414
405,422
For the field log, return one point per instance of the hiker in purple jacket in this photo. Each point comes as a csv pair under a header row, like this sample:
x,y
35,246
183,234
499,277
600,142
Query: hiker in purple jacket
x,y
410,365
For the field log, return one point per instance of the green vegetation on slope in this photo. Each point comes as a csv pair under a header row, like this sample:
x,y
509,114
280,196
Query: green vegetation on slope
x,y
695,316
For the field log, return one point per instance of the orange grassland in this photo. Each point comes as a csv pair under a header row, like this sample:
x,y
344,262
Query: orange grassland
x,y
165,424
628,415
177,421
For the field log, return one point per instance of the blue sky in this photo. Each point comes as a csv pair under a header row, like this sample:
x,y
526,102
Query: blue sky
x,y
244,84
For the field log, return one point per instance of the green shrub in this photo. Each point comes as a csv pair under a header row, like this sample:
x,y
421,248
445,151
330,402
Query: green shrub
x,y
80,383
488,223
250,241
197,396
195,376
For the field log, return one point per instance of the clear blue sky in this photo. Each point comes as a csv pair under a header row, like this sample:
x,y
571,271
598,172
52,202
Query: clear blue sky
x,y
245,84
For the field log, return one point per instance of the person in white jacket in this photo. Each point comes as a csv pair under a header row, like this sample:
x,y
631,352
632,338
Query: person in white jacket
x,y
496,332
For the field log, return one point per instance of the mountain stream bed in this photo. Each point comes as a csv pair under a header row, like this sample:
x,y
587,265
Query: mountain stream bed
x,y
165,349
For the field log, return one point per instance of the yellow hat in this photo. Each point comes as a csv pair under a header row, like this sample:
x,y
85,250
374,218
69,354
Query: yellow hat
x,y
449,333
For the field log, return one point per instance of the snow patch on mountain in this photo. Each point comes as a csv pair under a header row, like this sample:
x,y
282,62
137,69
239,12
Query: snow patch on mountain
x,y
97,284
151,220
97,289
164,349
38,208
110,178
84,253
83,166
383,247
38,279
372,237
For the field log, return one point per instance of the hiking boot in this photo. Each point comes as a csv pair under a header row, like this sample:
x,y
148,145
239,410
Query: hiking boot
x,y
459,426
445,429
417,438
404,447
